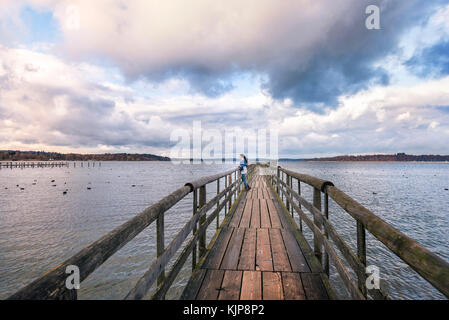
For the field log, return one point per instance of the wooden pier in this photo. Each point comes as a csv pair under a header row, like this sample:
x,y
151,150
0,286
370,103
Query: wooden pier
x,y
256,256
258,251
32,164
47,164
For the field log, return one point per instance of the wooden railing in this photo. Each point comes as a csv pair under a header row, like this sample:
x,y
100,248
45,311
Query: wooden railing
x,y
431,267
52,284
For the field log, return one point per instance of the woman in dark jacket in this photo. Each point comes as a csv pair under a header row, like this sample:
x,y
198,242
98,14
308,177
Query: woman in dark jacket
x,y
244,170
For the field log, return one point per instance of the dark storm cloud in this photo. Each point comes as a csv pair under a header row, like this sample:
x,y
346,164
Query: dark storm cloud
x,y
345,62
342,60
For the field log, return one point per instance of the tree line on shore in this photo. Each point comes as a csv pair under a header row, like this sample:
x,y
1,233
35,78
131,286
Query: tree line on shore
x,y
9,155
387,157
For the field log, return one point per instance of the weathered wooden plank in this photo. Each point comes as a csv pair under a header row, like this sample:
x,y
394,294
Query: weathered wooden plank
x,y
274,215
235,220
272,286
251,286
265,221
264,259
313,286
266,194
292,284
297,260
248,255
215,256
211,287
246,217
255,216
232,283
232,254
191,290
280,257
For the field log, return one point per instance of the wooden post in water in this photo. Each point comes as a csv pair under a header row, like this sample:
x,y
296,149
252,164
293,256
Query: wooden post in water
x,y
361,252
195,207
202,240
160,244
317,204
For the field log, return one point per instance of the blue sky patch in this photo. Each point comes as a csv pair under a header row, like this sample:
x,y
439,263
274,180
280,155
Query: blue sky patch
x,y
41,26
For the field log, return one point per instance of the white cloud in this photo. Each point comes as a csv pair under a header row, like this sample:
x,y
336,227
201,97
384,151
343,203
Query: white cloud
x,y
373,116
48,100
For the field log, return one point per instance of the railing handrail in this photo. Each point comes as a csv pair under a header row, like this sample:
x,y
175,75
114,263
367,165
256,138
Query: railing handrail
x,y
206,180
52,284
430,266
317,183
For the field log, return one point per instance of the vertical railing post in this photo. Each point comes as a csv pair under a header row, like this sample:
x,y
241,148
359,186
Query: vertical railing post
x,y
316,204
160,246
230,198
287,204
202,240
218,204
291,195
361,252
326,214
277,182
299,205
195,208
235,179
226,195
282,193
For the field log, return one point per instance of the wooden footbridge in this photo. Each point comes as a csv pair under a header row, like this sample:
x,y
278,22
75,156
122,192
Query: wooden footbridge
x,y
258,251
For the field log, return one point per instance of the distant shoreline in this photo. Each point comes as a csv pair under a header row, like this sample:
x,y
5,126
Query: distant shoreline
x,y
398,161
15,155
399,157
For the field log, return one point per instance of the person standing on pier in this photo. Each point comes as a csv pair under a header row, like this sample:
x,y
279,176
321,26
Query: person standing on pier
x,y
244,170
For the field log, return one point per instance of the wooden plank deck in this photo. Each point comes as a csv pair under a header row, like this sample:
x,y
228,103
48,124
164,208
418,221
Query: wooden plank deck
x,y
256,256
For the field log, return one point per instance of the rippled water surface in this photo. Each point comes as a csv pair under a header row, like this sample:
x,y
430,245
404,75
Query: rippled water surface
x,y
40,226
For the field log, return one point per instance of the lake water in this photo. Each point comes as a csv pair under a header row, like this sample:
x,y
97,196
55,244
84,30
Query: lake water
x,y
41,227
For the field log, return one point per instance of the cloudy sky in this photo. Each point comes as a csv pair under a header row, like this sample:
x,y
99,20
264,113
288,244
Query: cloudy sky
x,y
120,76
